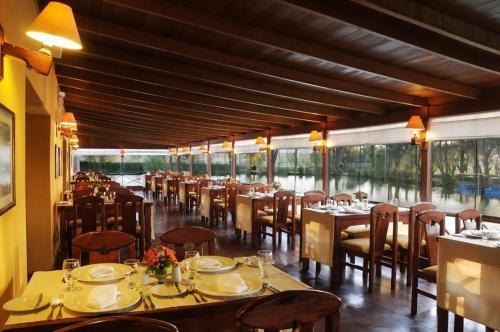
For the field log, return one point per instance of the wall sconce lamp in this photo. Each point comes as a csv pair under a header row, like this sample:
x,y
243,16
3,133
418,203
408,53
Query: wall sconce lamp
x,y
68,125
317,138
55,27
204,149
227,146
185,151
74,140
417,126
173,151
261,142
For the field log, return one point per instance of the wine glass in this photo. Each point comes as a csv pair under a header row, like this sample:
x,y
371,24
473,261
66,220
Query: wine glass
x,y
132,275
265,260
191,260
251,190
68,266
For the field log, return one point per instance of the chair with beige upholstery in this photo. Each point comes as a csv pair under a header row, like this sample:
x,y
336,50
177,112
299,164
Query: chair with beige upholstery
x,y
279,221
227,205
129,217
357,231
190,238
373,249
120,323
428,226
468,219
103,247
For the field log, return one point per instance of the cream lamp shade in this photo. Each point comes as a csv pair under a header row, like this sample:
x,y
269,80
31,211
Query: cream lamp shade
x,y
227,145
74,139
260,141
315,136
173,151
68,121
203,148
56,26
415,123
185,150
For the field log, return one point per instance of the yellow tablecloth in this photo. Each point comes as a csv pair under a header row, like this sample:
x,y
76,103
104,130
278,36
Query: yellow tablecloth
x,y
50,284
468,279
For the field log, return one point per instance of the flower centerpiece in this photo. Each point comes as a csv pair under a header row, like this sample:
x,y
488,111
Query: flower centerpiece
x,y
277,186
100,189
361,195
158,259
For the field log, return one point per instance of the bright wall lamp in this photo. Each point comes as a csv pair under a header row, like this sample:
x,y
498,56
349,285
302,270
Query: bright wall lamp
x,y
55,27
416,124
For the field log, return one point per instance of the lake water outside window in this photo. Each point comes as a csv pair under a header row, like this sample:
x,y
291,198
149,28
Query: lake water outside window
x,y
173,164
221,165
251,167
297,169
466,175
184,163
199,164
384,172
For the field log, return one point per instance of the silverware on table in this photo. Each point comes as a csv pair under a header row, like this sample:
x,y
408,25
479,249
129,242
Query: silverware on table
x,y
146,305
177,286
191,292
38,300
151,304
53,305
59,313
200,295
271,288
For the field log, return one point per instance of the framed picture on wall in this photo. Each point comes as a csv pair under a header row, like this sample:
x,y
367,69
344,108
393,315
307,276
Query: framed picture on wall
x,y
7,160
57,157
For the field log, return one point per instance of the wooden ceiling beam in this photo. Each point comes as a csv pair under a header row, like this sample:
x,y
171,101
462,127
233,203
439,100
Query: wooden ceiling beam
x,y
92,129
100,92
173,46
99,70
160,112
160,93
304,98
269,39
100,142
437,21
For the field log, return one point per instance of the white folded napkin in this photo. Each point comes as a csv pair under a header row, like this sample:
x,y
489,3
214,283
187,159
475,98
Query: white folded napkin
x,y
209,263
231,283
101,271
104,296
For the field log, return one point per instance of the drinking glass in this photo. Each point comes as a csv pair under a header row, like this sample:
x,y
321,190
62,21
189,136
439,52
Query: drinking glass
x,y
484,231
365,203
265,260
133,274
329,202
68,266
191,260
251,190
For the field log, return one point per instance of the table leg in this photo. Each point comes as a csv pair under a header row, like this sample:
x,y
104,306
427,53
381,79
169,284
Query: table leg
x,y
147,225
255,233
337,270
442,318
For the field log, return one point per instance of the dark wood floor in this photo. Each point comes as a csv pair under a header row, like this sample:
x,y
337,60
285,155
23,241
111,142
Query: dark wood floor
x,y
382,310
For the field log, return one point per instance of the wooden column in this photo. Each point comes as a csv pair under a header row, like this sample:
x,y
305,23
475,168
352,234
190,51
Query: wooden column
x,y
209,160
324,159
233,160
268,159
425,160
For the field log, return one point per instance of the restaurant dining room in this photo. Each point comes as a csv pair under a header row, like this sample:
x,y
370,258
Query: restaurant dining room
x,y
236,165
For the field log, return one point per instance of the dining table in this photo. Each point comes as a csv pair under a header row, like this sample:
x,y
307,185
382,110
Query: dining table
x,y
185,187
215,313
468,273
322,235
65,210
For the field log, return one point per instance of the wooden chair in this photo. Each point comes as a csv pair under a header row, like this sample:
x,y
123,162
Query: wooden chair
x,y
120,323
310,199
228,204
190,238
129,217
259,187
342,198
103,247
80,192
82,178
468,219
357,231
405,241
88,213
120,191
428,226
173,188
294,309
279,221
374,248
158,186
147,182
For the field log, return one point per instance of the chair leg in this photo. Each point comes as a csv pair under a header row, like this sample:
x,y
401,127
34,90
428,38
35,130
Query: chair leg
x,y
442,316
279,237
378,270
414,294
459,323
365,267
305,264
371,274
393,271
318,268
352,259
274,239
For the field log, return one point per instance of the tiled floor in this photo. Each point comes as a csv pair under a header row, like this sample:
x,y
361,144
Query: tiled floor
x,y
382,310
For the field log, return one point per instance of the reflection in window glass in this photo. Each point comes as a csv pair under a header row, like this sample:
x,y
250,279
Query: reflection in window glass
x,y
488,200
184,163
297,169
251,167
173,164
384,172
221,165
200,164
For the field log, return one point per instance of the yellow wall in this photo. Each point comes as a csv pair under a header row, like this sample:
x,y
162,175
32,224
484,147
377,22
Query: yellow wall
x,y
15,17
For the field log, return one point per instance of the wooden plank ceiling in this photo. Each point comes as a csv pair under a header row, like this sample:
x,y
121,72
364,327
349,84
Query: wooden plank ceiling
x,y
157,73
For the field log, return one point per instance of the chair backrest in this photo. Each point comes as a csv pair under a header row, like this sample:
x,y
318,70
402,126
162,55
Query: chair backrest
x,y
294,309
131,209
114,184
315,191
428,226
80,192
259,187
312,198
345,198
120,323
82,184
230,199
468,219
381,215
103,247
190,238
243,188
281,206
82,178
90,209
120,191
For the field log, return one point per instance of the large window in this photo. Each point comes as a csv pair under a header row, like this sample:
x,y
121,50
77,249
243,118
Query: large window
x,y
221,165
173,163
466,174
384,172
297,169
200,164
251,167
184,163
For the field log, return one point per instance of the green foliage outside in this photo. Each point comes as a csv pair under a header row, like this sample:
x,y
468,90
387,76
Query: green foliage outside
x,y
132,165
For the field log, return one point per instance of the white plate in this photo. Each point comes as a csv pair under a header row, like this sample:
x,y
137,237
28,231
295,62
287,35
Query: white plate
x,y
26,303
82,273
252,261
208,286
226,264
476,234
168,290
77,302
